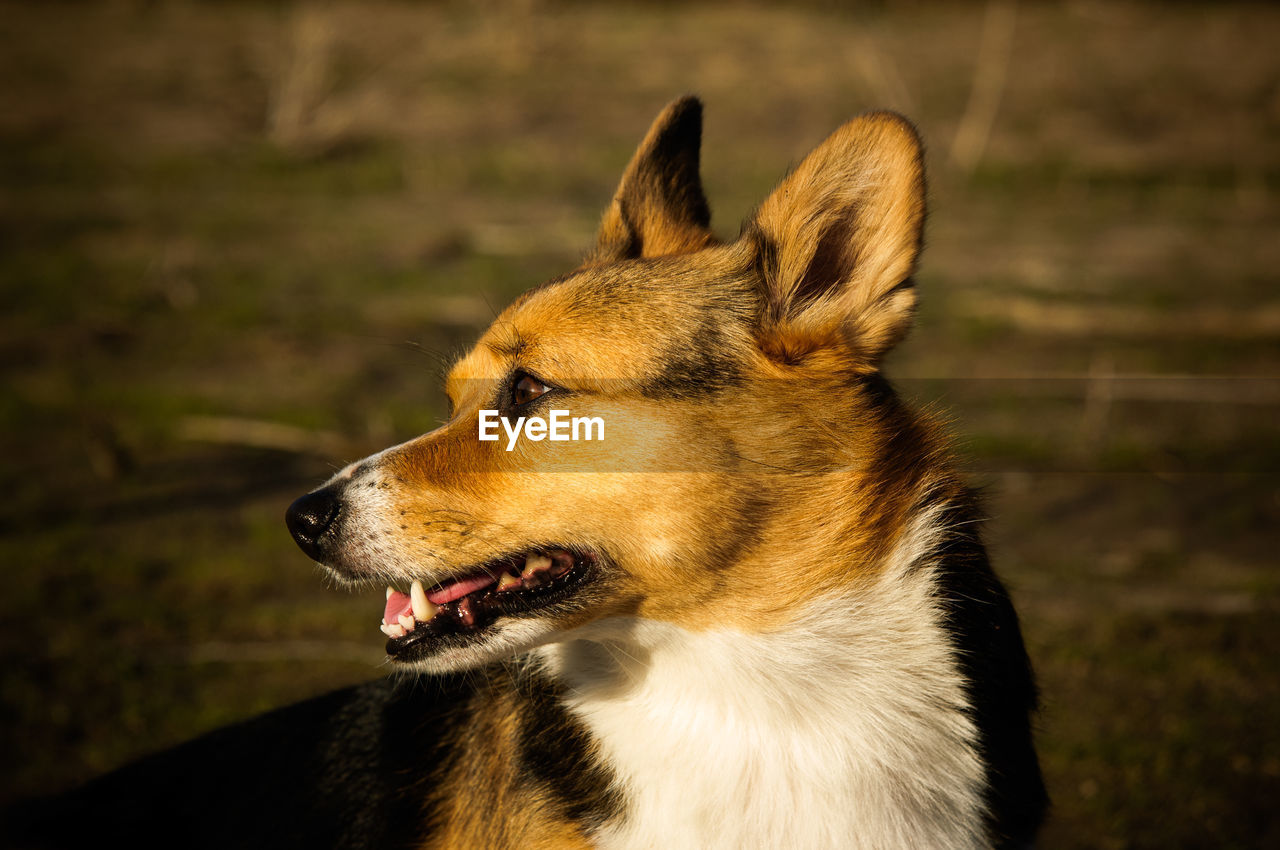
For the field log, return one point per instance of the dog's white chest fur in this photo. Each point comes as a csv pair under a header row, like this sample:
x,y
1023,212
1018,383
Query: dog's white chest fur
x,y
846,730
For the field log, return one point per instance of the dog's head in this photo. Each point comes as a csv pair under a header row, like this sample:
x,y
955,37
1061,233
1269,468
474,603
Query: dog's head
x,y
736,451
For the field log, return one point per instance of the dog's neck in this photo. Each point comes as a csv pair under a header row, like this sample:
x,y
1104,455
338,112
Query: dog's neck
x,y
848,728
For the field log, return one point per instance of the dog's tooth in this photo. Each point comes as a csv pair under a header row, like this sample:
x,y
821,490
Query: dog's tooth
x,y
389,631
507,582
423,608
535,562
396,630
390,590
406,622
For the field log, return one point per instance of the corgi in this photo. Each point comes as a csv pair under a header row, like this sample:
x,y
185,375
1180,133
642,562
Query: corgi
x,y
746,605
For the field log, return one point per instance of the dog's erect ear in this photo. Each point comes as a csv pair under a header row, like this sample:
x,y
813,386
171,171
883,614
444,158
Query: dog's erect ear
x,y
837,243
659,207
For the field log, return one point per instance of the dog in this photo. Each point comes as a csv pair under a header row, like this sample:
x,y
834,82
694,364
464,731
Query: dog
x,y
744,605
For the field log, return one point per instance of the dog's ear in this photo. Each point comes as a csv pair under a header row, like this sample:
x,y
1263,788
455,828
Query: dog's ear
x,y
659,207
837,242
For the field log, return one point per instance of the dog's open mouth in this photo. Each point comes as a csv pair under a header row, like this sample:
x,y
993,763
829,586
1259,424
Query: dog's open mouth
x,y
467,604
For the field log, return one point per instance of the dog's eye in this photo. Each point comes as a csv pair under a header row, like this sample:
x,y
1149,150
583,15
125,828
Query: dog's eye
x,y
526,389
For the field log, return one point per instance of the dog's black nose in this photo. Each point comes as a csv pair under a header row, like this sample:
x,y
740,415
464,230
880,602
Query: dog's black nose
x,y
309,517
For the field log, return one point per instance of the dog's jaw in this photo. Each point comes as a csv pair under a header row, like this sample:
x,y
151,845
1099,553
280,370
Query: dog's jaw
x,y
478,608
503,639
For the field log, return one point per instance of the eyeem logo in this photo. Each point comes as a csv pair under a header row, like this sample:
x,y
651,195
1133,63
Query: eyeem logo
x,y
559,428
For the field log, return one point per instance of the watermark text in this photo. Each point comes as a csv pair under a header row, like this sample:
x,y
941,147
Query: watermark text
x,y
559,427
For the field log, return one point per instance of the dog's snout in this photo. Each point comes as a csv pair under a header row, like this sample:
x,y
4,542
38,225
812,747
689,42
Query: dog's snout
x,y
310,516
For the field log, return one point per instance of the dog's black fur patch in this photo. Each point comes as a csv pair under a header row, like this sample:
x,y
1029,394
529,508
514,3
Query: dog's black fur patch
x,y
347,769
1001,687
554,750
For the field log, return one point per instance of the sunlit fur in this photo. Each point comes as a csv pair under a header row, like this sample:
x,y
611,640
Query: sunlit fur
x,y
846,728
779,648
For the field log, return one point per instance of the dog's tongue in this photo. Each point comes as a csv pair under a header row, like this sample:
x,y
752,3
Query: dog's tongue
x,y
460,588
397,604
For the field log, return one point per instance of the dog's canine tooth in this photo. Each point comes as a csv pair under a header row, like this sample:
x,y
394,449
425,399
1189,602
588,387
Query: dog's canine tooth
x,y
390,590
423,608
533,563
507,582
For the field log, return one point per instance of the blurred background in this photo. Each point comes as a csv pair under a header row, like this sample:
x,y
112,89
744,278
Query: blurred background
x,y
238,242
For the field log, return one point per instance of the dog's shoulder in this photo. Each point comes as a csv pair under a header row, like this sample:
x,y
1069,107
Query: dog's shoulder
x,y
336,770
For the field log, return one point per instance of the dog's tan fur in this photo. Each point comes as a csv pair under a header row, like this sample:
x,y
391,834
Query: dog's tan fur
x,y
758,483
823,266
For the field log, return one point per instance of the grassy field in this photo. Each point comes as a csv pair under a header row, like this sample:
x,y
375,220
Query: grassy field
x,y
238,242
